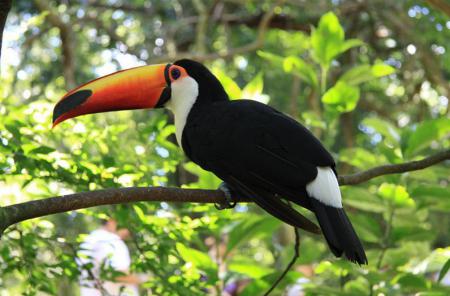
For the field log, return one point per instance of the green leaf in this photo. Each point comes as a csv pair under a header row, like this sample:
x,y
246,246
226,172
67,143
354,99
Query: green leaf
x,y
273,58
427,132
396,194
341,97
444,270
410,233
358,286
327,39
299,67
197,258
362,199
408,281
255,87
252,270
367,227
292,64
386,129
41,150
251,227
359,157
432,293
260,286
365,73
350,43
430,191
233,90
380,69
357,75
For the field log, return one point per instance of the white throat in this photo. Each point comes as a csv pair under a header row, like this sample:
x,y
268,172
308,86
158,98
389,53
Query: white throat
x,y
184,95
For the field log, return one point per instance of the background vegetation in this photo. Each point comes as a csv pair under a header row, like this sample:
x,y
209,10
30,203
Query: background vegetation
x,y
369,78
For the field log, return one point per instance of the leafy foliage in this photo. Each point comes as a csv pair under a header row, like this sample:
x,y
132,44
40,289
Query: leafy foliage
x,y
371,103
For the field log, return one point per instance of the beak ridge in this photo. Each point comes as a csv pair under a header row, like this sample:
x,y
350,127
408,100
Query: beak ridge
x,y
135,88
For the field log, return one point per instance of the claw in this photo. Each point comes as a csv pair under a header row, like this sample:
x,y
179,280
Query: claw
x,y
229,203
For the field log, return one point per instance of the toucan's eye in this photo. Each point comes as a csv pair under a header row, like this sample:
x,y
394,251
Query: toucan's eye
x,y
175,73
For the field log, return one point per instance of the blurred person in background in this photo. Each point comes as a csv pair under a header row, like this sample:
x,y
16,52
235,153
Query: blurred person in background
x,y
103,250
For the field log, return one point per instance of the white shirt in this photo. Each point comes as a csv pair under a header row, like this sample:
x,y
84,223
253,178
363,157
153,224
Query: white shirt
x,y
104,247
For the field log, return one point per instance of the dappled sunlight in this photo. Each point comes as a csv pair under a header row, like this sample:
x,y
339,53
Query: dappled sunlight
x,y
369,80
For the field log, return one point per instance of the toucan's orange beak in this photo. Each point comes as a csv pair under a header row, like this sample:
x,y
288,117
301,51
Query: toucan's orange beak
x,y
136,88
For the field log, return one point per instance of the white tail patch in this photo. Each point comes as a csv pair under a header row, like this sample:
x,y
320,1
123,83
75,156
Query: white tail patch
x,y
325,188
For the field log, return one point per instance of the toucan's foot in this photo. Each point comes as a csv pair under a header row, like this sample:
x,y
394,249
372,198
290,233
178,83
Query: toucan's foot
x,y
229,203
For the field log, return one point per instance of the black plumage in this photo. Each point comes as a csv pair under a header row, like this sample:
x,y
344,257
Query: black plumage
x,y
265,155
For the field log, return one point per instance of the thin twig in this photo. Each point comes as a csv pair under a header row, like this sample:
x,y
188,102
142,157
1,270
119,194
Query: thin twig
x,y
289,266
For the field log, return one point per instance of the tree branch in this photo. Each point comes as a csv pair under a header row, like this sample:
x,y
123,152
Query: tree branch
x,y
5,6
67,42
394,169
252,46
12,214
443,6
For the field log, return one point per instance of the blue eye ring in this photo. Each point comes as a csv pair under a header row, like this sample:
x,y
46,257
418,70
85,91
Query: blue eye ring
x,y
175,73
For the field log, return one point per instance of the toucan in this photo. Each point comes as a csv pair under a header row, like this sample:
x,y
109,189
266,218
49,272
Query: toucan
x,y
259,152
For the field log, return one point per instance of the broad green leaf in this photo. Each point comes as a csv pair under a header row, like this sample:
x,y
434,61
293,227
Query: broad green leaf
x,y
410,233
366,73
233,90
359,157
444,270
298,66
255,288
350,43
250,227
341,97
385,128
362,199
432,197
42,150
358,286
433,293
367,228
427,132
140,213
254,87
357,75
312,119
260,286
408,280
199,259
273,58
37,20
396,194
327,39
205,179
254,90
381,69
292,64
252,270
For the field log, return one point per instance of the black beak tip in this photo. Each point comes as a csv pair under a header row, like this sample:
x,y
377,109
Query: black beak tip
x,y
70,102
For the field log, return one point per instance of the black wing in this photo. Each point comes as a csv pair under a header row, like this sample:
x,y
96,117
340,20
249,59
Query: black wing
x,y
259,151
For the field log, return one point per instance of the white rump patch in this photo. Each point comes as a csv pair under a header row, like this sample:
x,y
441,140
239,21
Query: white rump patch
x,y
325,188
184,95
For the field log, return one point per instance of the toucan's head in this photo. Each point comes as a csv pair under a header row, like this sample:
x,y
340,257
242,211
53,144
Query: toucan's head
x,y
154,86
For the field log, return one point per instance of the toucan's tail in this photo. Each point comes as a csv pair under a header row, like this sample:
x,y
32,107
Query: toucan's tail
x,y
339,232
